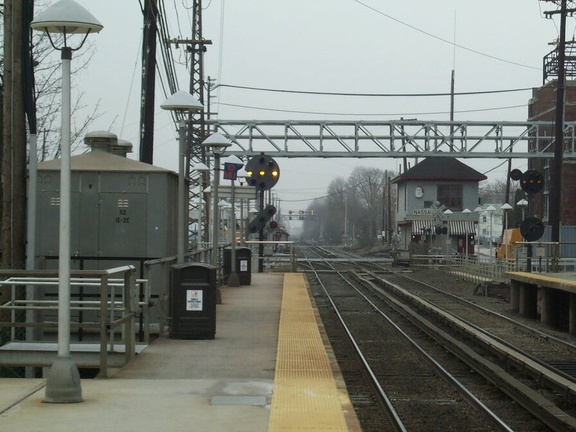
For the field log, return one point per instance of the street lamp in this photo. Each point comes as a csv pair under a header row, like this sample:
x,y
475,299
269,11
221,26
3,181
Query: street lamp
x,y
219,143
448,212
65,17
180,102
233,279
491,209
478,210
505,208
466,211
242,174
523,203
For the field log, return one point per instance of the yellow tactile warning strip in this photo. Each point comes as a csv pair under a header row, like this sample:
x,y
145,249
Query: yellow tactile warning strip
x,y
306,396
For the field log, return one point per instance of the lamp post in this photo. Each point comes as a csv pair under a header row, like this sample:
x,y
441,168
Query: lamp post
x,y
478,210
466,211
233,279
448,212
242,175
523,203
219,143
65,17
180,102
505,208
491,209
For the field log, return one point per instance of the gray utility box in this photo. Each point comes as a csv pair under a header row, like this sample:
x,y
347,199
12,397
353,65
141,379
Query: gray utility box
x,y
193,301
120,207
243,264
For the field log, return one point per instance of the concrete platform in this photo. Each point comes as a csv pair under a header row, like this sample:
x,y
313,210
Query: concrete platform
x,y
269,368
548,296
219,385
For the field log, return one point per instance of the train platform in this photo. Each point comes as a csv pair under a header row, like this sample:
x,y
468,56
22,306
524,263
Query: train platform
x,y
269,368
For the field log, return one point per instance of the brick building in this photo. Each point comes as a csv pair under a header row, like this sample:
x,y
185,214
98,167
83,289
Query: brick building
x,y
542,107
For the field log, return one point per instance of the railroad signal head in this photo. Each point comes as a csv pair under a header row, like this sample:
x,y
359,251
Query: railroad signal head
x,y
531,229
532,181
516,174
259,222
263,172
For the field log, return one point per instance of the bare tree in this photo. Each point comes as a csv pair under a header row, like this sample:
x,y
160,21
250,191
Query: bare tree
x,y
47,109
354,206
368,185
493,191
48,91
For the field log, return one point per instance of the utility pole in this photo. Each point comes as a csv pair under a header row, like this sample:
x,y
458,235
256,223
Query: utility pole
x,y
14,137
555,186
196,46
147,107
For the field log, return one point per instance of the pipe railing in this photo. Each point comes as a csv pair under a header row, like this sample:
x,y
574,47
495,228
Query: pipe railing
x,y
114,308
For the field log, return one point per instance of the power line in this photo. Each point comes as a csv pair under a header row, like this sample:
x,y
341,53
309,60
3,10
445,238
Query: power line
x,y
370,114
309,92
444,40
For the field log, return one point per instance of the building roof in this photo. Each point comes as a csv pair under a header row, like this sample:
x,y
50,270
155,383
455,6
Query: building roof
x,y
436,169
101,161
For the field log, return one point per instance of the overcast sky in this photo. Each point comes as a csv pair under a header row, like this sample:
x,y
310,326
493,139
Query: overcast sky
x,y
351,46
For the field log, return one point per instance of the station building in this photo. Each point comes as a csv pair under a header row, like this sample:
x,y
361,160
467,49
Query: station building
x,y
434,207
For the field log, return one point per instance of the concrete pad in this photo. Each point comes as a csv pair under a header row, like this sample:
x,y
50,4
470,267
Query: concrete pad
x,y
173,384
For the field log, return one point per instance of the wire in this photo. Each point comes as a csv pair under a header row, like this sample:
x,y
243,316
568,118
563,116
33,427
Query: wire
x,y
131,86
442,39
370,114
496,167
373,94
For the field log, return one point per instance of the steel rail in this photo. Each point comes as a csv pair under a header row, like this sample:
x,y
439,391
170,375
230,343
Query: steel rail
x,y
444,373
384,397
545,410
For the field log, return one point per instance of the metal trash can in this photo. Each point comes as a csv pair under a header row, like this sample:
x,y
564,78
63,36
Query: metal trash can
x,y
243,264
193,301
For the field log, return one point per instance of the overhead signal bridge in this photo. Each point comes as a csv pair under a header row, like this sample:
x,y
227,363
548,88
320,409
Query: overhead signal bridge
x,y
395,139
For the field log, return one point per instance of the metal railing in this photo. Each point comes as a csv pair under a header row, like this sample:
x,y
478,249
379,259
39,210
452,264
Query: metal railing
x,y
276,260
543,258
113,306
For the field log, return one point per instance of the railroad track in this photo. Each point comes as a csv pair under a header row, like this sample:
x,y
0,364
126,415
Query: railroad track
x,y
434,370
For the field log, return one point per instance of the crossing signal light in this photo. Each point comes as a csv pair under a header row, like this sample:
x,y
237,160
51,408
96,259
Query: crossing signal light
x,y
263,172
531,229
516,174
532,181
259,222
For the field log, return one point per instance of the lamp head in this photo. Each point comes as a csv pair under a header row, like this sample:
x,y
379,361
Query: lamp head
x,y
218,142
182,101
67,17
200,167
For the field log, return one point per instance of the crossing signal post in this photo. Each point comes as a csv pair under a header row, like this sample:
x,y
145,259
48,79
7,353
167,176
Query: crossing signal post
x,y
263,173
531,228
